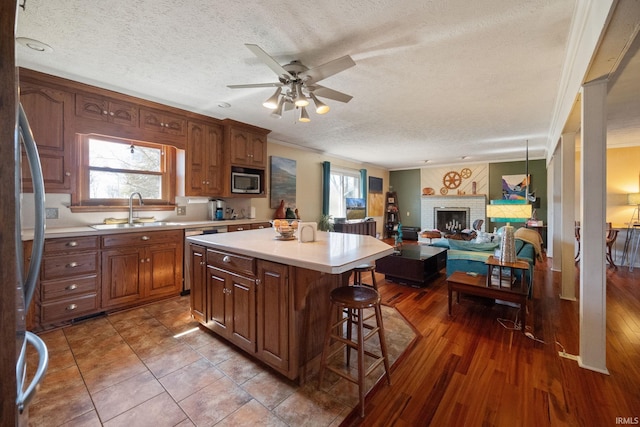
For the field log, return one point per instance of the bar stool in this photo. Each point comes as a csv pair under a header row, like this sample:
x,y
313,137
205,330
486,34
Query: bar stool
x,y
357,275
354,298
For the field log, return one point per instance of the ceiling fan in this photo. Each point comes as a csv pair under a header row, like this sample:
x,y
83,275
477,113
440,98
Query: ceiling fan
x,y
297,83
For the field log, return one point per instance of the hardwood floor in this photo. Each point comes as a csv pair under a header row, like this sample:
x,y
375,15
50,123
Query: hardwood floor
x,y
469,369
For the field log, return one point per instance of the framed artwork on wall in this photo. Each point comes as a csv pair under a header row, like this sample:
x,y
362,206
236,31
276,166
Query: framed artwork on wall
x,y
514,187
282,182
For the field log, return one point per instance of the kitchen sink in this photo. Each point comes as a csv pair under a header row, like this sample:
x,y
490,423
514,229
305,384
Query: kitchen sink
x,y
134,225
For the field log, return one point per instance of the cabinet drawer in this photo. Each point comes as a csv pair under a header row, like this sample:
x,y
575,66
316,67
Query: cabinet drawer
x,y
70,244
68,265
238,227
68,288
231,262
69,308
142,238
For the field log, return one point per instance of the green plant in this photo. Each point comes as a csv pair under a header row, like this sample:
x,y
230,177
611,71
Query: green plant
x,y
325,223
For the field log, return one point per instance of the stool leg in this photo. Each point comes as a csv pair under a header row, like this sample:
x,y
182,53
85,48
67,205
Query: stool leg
x,y
325,347
373,279
383,342
351,313
361,372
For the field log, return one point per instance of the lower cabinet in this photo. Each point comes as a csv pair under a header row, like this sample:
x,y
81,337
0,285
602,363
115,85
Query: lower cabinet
x,y
244,300
137,267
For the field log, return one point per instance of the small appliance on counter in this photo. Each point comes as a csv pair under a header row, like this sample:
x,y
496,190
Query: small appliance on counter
x,y
216,209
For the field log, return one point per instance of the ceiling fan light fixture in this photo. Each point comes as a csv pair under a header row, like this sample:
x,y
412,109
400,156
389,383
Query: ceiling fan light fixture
x,y
277,113
321,107
272,102
304,116
300,100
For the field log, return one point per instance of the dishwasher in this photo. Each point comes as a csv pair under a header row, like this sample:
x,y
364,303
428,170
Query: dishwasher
x,y
195,231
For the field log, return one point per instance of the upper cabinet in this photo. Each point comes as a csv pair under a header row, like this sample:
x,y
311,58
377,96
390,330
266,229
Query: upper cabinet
x,y
50,114
247,145
106,110
204,161
163,122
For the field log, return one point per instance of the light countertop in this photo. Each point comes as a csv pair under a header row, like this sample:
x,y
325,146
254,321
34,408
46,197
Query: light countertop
x,y
87,230
332,253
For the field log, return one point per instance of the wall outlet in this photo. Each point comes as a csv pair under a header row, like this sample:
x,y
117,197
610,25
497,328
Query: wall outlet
x,y
181,210
408,213
51,213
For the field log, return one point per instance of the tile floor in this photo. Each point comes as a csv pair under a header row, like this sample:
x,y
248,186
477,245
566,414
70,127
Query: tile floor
x,y
154,366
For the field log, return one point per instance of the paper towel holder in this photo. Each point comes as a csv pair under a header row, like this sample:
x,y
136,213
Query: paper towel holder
x,y
307,231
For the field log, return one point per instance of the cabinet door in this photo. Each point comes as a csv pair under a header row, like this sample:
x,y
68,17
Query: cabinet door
x,y
50,113
273,314
163,270
217,309
198,271
239,147
204,160
258,150
106,110
162,122
122,276
242,309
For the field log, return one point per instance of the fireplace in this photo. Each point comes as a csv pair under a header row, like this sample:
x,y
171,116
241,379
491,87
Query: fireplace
x,y
451,220
474,205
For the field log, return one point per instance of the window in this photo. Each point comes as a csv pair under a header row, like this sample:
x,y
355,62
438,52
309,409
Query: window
x,y
343,183
111,169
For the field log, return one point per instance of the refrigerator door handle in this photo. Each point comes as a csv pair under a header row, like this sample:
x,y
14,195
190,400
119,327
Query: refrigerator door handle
x,y
25,395
31,150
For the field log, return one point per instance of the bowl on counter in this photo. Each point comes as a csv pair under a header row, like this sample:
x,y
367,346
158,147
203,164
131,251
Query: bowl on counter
x,y
285,230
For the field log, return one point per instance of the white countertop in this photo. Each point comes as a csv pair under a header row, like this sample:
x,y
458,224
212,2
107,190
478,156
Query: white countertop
x,y
87,230
333,253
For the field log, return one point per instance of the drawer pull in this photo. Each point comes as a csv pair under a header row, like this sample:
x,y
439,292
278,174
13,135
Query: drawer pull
x,y
240,229
226,259
72,265
72,287
71,307
145,238
72,244
260,227
141,260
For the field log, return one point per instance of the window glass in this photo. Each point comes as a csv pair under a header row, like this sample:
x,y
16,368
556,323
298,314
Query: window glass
x,y
344,183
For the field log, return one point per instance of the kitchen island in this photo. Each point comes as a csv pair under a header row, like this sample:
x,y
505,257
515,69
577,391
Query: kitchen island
x,y
271,297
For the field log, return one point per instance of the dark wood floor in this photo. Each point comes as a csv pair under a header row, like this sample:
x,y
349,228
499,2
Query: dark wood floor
x,y
471,369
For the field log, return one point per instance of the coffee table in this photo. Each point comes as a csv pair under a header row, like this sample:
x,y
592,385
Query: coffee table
x,y
413,265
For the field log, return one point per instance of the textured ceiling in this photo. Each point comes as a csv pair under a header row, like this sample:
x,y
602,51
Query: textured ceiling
x,y
433,80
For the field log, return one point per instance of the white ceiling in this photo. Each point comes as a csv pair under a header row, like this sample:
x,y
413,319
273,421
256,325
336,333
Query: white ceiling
x,y
433,80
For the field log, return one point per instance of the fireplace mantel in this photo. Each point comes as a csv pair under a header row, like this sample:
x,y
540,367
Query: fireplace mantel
x,y
476,203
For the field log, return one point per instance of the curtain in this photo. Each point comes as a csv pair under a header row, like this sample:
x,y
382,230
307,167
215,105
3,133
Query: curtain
x,y
326,186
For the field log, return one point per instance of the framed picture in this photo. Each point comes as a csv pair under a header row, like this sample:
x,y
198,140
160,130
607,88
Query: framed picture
x,y
283,182
514,187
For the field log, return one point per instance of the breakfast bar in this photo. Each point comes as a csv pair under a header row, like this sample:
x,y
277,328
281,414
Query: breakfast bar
x,y
270,297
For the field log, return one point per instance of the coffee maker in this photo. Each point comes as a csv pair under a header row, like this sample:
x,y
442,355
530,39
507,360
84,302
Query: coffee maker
x,y
216,209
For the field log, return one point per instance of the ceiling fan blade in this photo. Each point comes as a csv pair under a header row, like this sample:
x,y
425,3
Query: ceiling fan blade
x,y
268,60
325,92
323,71
254,85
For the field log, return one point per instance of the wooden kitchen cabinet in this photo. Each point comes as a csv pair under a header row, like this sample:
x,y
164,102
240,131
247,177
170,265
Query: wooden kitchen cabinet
x,y
106,110
163,122
248,226
69,280
231,294
50,114
141,266
273,309
198,294
247,147
205,169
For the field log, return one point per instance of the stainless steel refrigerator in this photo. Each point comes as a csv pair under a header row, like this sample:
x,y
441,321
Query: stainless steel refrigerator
x,y
16,286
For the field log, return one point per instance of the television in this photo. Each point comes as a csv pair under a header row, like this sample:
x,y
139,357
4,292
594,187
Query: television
x,y
356,208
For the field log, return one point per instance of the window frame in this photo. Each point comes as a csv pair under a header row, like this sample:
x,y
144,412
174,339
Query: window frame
x,y
81,197
342,171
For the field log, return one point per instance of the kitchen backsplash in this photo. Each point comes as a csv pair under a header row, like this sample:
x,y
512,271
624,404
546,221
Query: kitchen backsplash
x,y
58,205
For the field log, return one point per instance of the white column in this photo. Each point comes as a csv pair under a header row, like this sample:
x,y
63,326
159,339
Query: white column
x,y
593,297
554,238
567,212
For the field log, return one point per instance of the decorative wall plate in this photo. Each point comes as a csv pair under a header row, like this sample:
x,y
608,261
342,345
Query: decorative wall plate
x,y
444,191
452,180
465,173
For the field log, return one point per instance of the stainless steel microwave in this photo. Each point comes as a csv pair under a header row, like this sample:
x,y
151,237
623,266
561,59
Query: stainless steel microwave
x,y
244,182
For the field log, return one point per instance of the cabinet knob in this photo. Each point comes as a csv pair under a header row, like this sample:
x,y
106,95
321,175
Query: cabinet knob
x,y
105,112
72,243
67,173
148,259
258,281
202,263
161,124
111,113
240,229
141,260
72,265
260,226
72,287
226,259
71,307
145,238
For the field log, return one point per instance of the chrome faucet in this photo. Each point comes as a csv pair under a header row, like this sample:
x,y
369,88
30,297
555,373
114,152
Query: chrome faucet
x,y
131,205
